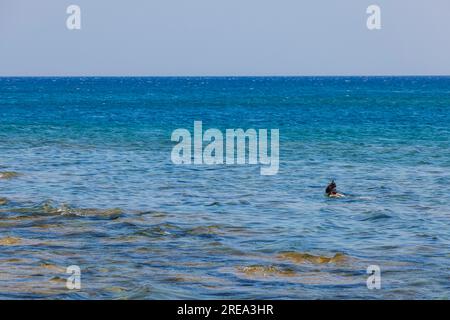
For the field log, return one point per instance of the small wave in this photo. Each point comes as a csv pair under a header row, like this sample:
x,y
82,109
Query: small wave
x,y
238,202
213,204
377,216
155,214
364,198
160,230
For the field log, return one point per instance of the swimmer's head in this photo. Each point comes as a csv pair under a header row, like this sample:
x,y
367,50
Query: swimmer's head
x,y
331,188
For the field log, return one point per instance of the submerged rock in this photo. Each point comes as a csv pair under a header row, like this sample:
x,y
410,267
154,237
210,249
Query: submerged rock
x,y
99,213
299,257
204,230
8,175
64,209
261,270
8,241
3,201
52,267
47,209
57,279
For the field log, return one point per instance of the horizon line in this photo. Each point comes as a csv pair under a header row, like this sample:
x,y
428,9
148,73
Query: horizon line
x,y
230,76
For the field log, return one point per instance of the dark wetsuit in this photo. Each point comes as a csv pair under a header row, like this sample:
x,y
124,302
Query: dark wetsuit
x,y
331,189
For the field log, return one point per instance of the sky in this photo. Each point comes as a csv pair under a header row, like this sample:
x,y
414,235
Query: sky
x,y
224,38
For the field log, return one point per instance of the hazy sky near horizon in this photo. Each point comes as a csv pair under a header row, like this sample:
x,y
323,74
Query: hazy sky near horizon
x,y
224,37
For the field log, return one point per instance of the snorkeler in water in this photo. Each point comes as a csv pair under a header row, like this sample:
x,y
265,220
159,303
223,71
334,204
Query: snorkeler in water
x,y
332,192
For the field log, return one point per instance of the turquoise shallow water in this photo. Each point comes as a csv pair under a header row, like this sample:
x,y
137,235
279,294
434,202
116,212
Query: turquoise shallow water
x,y
95,187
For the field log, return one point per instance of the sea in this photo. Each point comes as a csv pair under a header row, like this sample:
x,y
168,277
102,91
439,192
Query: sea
x,y
87,183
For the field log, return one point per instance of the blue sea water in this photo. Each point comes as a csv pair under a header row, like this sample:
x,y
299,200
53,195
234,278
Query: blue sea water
x,y
87,180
